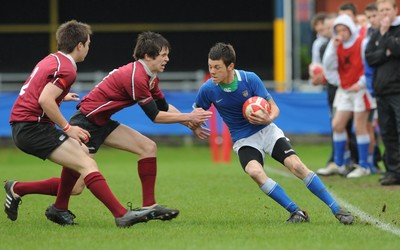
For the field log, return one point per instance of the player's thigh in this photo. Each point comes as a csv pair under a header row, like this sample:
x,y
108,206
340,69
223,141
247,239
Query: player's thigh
x,y
75,156
128,139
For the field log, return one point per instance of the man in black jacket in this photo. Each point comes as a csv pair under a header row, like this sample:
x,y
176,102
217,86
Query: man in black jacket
x,y
383,52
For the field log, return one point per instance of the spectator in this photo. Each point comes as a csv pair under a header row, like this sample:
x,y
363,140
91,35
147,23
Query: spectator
x,y
344,54
361,20
317,24
374,155
383,53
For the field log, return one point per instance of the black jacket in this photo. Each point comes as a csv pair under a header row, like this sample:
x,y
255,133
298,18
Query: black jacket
x,y
386,80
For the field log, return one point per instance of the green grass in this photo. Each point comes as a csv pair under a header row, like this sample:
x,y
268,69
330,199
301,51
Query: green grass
x,y
221,207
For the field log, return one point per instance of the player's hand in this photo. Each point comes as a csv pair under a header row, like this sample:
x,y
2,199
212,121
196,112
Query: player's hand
x,y
385,24
199,116
192,125
263,118
355,88
71,97
318,79
202,132
337,40
79,134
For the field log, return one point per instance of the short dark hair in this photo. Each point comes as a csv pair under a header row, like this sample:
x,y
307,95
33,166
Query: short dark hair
x,y
224,52
70,34
149,43
349,6
318,17
371,7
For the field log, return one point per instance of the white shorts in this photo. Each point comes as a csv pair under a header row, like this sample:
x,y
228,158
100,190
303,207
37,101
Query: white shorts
x,y
353,101
264,140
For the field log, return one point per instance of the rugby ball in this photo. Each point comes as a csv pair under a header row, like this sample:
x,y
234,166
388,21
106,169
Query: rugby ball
x,y
315,69
253,105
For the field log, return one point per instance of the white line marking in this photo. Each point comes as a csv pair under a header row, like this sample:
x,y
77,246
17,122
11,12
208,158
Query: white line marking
x,y
354,210
366,217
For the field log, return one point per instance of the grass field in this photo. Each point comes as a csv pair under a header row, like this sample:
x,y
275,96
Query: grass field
x,y
221,208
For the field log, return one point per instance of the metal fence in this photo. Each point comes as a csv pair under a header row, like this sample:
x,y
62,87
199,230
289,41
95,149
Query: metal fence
x,y
175,81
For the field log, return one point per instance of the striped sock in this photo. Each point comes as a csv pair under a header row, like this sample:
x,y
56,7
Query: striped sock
x,y
315,185
276,192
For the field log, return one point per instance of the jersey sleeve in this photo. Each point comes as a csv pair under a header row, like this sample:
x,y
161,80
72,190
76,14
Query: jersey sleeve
x,y
202,99
60,82
141,91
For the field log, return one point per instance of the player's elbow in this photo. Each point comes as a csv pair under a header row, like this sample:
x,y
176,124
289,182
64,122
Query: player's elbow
x,y
43,101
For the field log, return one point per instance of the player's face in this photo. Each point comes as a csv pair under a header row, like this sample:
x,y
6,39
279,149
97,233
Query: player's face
x,y
158,64
373,19
218,71
343,32
319,27
386,9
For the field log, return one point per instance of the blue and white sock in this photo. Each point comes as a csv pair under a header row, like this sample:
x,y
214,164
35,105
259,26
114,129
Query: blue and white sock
x,y
276,192
339,144
363,147
315,185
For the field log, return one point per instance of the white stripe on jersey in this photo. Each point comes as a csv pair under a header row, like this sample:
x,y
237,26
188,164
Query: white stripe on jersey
x,y
239,76
93,111
58,65
133,80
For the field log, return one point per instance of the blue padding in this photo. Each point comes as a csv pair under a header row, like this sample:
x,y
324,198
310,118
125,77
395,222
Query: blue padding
x,y
301,113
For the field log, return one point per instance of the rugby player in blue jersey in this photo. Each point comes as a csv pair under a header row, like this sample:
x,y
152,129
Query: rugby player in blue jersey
x,y
227,89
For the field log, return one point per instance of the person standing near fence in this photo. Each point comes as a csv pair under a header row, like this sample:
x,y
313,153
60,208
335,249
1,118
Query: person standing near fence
x,y
383,53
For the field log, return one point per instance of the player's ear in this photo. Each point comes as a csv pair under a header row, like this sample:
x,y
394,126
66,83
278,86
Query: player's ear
x,y
231,66
79,46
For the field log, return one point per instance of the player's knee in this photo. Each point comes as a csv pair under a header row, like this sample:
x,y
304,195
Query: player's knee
x,y
150,148
254,170
87,164
282,150
337,127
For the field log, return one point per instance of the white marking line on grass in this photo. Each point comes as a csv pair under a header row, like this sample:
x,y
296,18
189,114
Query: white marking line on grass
x,y
367,218
355,210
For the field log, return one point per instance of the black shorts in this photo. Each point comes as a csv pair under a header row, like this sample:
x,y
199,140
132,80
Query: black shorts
x,y
371,115
97,133
38,139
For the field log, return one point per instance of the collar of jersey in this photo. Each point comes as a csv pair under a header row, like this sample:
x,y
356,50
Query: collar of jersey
x,y
69,57
148,71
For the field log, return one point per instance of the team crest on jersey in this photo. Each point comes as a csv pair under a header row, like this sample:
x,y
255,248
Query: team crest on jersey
x,y
245,93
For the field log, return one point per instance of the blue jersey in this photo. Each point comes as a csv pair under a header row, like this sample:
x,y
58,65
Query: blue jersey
x,y
229,104
369,74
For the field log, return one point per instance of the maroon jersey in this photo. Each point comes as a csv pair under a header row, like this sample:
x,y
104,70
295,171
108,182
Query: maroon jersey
x,y
123,87
58,69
